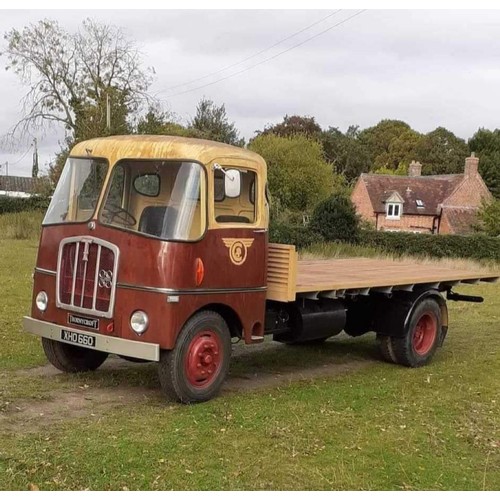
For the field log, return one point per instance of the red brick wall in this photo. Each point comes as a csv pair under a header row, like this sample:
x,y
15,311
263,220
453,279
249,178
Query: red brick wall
x,y
420,223
469,194
361,200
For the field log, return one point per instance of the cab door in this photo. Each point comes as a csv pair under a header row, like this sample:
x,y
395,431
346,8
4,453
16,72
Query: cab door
x,y
238,222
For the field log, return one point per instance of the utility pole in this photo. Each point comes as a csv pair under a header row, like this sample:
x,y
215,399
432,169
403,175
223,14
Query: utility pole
x,y
108,113
7,168
34,170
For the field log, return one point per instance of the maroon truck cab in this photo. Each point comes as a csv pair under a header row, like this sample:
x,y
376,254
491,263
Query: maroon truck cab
x,y
148,239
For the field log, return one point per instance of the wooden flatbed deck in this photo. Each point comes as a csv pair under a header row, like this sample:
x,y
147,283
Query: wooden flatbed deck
x,y
289,278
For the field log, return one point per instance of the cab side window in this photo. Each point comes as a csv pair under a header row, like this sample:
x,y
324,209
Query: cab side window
x,y
235,210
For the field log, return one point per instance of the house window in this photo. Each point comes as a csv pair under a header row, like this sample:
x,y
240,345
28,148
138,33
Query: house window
x,y
420,204
394,211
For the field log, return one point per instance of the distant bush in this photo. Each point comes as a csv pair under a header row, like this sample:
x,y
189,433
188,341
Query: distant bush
x,y
21,225
477,247
288,234
10,204
335,219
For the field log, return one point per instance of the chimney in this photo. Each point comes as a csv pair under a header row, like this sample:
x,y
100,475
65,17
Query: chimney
x,y
471,165
415,169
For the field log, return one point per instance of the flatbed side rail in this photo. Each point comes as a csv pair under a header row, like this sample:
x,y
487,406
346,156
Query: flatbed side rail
x,y
281,272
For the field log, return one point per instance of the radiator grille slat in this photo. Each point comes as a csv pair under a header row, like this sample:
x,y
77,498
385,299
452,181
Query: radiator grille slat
x,y
86,276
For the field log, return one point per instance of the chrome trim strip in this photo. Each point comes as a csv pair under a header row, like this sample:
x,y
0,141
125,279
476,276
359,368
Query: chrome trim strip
x,y
104,343
41,270
84,310
190,291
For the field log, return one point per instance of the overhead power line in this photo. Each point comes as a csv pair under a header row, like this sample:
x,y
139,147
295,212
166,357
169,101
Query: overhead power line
x,y
238,63
269,58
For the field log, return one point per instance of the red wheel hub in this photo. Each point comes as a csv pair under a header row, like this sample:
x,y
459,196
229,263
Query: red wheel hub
x,y
203,359
424,334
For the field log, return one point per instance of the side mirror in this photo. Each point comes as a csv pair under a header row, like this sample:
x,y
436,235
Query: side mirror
x,y
232,183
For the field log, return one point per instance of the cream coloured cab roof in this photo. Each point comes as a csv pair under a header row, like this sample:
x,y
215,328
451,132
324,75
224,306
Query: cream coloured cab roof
x,y
165,147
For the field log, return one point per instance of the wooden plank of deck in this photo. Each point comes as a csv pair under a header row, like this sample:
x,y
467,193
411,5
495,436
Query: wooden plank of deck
x,y
358,273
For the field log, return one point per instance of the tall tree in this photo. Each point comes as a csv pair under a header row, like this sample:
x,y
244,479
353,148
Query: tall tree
x,y
294,125
213,123
73,75
441,152
384,140
298,175
486,144
345,152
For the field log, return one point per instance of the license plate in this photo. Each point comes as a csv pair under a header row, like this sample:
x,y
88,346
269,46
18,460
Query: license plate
x,y
78,338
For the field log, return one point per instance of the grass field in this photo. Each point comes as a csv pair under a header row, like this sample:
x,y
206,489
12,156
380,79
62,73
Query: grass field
x,y
330,417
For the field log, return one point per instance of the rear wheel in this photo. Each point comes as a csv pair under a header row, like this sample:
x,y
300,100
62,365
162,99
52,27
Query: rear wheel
x,y
195,369
72,359
420,341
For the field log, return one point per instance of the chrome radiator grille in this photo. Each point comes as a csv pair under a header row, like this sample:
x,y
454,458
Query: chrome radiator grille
x,y
86,275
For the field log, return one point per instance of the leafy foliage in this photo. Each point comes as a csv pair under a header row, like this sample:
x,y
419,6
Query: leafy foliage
x,y
489,216
212,123
348,155
9,204
486,144
477,247
385,142
441,152
70,76
335,219
298,175
293,234
294,125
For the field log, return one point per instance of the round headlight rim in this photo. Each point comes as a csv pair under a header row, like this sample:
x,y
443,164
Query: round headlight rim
x,y
42,300
144,319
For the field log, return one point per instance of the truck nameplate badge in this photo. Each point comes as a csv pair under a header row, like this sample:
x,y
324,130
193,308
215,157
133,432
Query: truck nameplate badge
x,y
78,338
238,249
93,323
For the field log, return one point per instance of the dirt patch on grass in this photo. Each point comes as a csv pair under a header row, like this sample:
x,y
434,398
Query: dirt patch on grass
x,y
91,401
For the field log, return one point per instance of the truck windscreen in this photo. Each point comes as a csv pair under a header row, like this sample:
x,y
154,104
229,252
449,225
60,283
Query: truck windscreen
x,y
77,191
159,198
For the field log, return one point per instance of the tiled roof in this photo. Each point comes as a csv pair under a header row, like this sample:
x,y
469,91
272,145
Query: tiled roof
x,y
16,183
461,220
432,190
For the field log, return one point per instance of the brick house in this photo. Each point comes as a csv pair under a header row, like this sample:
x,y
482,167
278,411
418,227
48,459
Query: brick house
x,y
444,204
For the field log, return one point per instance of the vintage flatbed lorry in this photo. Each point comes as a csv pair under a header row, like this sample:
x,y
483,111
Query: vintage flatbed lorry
x,y
156,248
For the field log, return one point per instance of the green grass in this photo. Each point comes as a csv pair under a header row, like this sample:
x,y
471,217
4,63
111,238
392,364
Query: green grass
x,y
378,426
21,225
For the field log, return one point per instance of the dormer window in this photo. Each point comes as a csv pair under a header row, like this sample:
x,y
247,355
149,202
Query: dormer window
x,y
394,210
420,204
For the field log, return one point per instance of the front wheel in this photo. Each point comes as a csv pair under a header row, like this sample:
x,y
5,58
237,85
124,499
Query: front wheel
x,y
71,358
420,340
195,369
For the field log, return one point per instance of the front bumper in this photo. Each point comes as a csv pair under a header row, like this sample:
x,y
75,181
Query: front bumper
x,y
113,345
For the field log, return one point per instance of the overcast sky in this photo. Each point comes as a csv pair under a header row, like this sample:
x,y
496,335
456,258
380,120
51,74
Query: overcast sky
x,y
428,68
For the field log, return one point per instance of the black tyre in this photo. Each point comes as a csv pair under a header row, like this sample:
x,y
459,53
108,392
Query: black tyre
x,y
195,369
419,343
72,359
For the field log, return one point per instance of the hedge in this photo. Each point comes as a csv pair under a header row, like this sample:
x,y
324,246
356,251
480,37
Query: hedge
x,y
10,204
478,247
300,236
475,247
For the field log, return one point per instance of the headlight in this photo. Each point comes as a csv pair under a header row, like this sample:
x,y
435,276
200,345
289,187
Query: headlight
x,y
139,322
41,301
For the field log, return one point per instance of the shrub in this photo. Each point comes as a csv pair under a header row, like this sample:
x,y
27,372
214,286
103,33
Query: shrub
x,y
10,204
290,234
477,247
336,220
